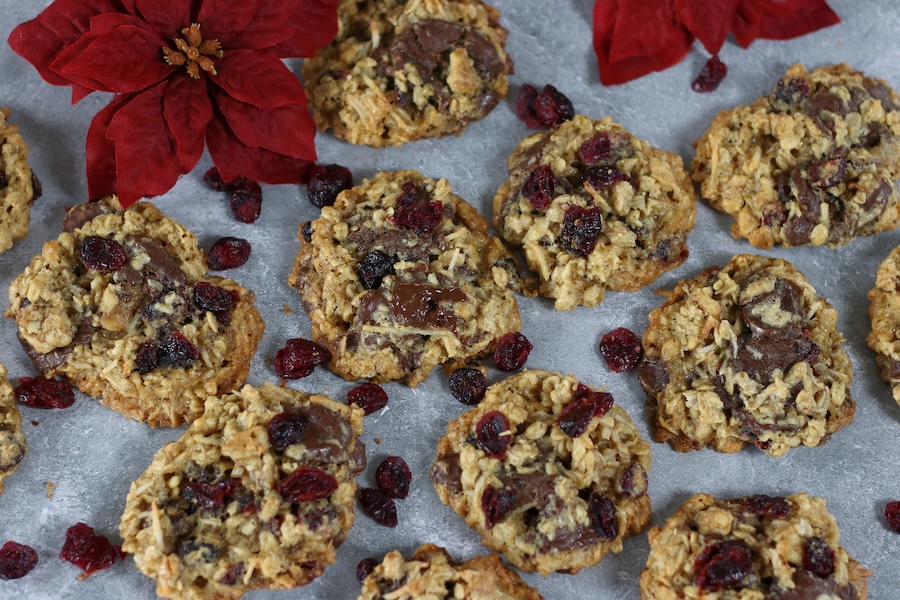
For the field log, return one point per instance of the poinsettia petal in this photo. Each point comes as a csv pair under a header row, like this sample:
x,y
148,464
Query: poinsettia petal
x,y
187,110
223,19
710,22
146,154
770,20
644,28
314,23
269,27
41,39
287,129
100,151
258,78
233,158
168,17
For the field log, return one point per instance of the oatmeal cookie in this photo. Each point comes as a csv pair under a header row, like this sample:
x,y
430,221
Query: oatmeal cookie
x,y
121,304
19,186
593,208
257,494
814,162
746,354
547,470
750,548
884,313
430,574
401,70
400,276
12,441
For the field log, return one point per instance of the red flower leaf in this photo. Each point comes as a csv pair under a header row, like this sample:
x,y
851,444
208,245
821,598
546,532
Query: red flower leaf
x,y
240,72
708,21
223,19
168,17
771,20
287,130
268,28
644,28
187,110
100,151
314,24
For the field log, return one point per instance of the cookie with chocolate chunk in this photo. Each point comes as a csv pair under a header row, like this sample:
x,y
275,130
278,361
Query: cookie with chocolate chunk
x,y
813,163
746,354
400,275
122,305
257,494
19,186
551,473
594,208
400,71
431,573
884,314
779,548
12,441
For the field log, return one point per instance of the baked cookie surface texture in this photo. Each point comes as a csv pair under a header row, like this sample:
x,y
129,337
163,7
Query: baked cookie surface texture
x,y
752,548
746,354
813,163
430,574
594,208
257,494
121,304
884,314
400,276
400,70
549,472
12,441
18,185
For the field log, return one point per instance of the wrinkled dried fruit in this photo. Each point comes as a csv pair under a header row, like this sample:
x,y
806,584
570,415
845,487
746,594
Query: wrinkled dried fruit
x,y
16,560
368,396
712,74
828,172
227,253
326,182
177,351
546,109
793,91
102,254
214,180
512,351
393,477
621,349
603,176
492,434
603,516
204,495
233,574
892,514
769,507
365,567
40,392
307,483
581,228
246,200
422,217
586,406
496,504
145,358
597,149
88,551
213,298
468,385
723,566
378,505
539,187
373,268
299,358
818,557
285,429
634,481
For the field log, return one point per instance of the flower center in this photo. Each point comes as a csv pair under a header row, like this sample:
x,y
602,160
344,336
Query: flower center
x,y
193,52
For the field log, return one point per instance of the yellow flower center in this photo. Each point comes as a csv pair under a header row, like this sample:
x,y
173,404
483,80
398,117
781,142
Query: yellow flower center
x,y
193,52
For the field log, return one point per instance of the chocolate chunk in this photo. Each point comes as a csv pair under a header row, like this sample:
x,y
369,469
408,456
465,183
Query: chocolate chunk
x,y
759,354
483,53
877,199
162,266
654,376
809,587
327,434
798,229
358,458
413,305
37,190
80,214
788,295
823,107
446,472
436,36
405,50
880,92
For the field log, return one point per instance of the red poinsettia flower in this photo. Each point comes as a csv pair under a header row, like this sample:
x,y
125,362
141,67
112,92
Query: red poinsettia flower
x,y
184,73
635,37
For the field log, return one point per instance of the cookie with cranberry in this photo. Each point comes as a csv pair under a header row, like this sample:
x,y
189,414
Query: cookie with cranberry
x,y
257,494
122,305
551,473
400,275
400,71
431,573
12,441
884,314
813,163
753,547
19,187
594,208
746,354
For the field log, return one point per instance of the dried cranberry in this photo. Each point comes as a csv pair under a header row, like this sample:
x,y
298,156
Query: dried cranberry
x,y
16,560
496,504
512,351
712,74
597,149
246,200
581,228
634,481
373,268
828,172
603,516
285,429
378,505
604,176
88,551
468,385
40,392
422,218
818,557
492,434
307,483
768,507
365,567
213,298
723,565
393,477
213,179
227,253
326,182
177,351
539,187
621,349
233,574
204,495
892,515
299,358
546,109
306,230
793,91
145,357
102,254
368,396
586,406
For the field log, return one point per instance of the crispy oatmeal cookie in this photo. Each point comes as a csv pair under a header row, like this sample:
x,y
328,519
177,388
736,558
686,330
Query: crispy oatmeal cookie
x,y
257,494
121,304
19,186
751,548
430,574
400,275
594,208
12,441
746,354
401,70
814,162
550,472
884,313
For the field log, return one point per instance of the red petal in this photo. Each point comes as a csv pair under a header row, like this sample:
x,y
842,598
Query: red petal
x,y
235,159
258,78
223,19
314,24
100,151
287,129
271,25
612,73
644,28
168,17
708,21
770,20
187,109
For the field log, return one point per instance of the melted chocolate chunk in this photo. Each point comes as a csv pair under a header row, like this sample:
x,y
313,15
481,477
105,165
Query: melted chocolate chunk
x,y
809,587
80,214
483,53
327,436
654,376
798,228
436,36
414,305
446,472
162,266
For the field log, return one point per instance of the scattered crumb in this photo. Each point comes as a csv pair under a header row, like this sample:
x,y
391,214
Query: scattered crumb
x,y
287,309
378,441
35,423
50,488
